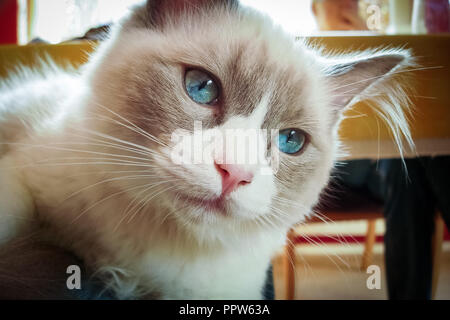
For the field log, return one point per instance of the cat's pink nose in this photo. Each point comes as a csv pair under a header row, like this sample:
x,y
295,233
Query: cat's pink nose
x,y
233,176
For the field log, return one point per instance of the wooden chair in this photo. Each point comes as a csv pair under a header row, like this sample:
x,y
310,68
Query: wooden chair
x,y
358,207
348,206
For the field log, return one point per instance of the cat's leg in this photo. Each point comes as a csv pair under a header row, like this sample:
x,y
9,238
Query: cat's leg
x,y
16,203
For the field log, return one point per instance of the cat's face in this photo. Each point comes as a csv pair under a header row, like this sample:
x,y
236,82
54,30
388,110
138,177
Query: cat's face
x,y
220,69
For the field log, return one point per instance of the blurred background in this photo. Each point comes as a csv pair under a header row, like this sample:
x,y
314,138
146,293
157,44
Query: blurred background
x,y
56,21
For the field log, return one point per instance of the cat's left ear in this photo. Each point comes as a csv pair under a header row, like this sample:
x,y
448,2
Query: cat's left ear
x,y
354,77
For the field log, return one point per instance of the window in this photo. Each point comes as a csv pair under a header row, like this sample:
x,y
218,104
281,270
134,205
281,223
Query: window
x,y
56,21
59,20
294,16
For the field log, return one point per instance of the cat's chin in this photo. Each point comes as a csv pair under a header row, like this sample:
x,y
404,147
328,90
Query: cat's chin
x,y
217,205
215,209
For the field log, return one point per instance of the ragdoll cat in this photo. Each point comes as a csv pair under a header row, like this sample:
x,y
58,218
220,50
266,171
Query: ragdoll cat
x,y
89,156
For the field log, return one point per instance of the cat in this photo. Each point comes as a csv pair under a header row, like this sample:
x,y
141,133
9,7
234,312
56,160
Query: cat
x,y
88,155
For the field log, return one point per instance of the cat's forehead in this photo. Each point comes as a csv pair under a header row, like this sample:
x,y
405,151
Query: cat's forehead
x,y
251,63
250,58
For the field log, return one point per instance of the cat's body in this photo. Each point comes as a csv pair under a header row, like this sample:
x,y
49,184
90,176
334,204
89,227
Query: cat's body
x,y
87,155
167,254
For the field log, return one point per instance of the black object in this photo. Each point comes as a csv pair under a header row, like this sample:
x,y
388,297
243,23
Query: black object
x,y
410,205
411,190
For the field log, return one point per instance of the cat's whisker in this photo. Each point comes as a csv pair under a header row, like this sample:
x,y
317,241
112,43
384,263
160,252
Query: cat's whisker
x,y
172,212
381,76
340,237
107,145
116,160
278,223
267,222
148,200
109,137
118,142
148,164
113,156
280,216
131,205
292,261
322,247
130,208
147,135
139,130
104,172
163,220
131,177
99,163
107,198
292,203
261,223
334,254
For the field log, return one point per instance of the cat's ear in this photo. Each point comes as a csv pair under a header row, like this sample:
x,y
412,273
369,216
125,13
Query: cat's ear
x,y
162,11
380,78
353,77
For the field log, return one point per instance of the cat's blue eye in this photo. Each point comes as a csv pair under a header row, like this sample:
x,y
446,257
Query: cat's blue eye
x,y
201,87
291,141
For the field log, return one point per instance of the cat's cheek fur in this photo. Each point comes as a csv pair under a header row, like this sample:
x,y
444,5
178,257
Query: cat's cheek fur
x,y
16,202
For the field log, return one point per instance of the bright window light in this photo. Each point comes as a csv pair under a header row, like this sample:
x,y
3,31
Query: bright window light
x,y
295,16
57,21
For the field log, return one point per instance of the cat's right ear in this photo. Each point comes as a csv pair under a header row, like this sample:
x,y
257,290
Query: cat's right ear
x,y
162,12
378,77
351,77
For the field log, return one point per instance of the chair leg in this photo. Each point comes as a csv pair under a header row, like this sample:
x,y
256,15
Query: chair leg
x,y
437,252
289,265
368,246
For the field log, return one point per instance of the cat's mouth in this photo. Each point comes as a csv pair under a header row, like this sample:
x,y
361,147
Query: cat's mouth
x,y
217,204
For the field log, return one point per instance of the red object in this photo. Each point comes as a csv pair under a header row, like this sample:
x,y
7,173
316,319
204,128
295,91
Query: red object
x,y
437,16
8,21
322,239
345,239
